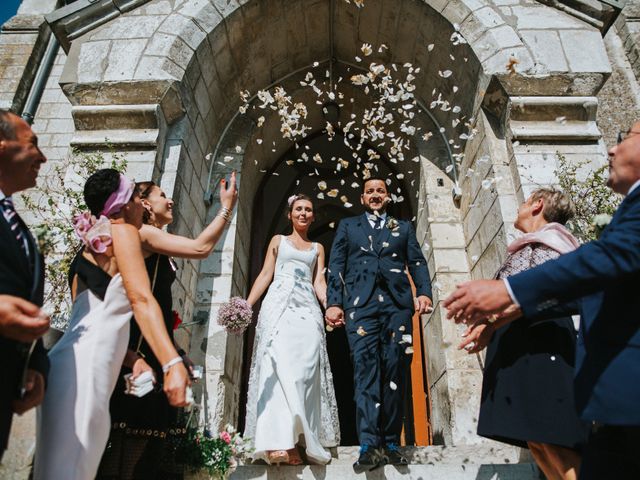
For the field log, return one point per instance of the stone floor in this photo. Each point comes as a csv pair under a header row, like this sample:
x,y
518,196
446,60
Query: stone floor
x,y
492,462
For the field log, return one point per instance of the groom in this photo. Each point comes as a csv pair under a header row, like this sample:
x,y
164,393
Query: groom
x,y
370,294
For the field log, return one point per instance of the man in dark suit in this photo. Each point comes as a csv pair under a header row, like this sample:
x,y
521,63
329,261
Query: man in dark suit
x,y
369,292
602,278
23,360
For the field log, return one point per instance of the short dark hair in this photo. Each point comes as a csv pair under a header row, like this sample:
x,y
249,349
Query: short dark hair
x,y
382,179
99,187
144,190
7,130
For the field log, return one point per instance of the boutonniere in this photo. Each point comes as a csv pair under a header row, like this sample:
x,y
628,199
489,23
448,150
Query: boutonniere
x,y
392,224
600,222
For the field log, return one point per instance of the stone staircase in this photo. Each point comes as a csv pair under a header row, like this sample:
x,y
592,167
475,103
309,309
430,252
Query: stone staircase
x,y
471,462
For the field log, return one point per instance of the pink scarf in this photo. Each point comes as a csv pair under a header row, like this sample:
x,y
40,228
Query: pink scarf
x,y
94,232
553,235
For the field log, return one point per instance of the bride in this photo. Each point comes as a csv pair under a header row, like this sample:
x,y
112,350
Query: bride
x,y
291,401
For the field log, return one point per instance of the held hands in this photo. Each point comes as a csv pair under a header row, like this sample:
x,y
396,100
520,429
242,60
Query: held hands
x,y
229,192
474,301
334,317
176,381
34,393
21,320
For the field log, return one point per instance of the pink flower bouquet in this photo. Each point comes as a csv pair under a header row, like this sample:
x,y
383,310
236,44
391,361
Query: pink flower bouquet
x,y
235,315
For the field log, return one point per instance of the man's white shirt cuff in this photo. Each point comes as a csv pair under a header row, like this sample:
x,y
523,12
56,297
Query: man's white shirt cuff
x,y
510,292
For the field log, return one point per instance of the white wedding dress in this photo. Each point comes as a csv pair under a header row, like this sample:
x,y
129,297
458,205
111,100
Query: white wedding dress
x,y
291,399
73,421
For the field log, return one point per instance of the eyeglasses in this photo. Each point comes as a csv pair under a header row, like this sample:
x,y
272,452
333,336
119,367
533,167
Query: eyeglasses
x,y
622,136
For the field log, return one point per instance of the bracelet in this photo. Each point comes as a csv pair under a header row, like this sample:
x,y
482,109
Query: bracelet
x,y
171,363
224,213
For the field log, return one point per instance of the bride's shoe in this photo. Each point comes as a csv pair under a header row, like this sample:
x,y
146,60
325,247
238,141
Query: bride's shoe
x,y
294,457
278,456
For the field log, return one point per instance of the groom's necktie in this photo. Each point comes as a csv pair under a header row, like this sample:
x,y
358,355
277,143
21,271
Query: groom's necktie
x,y
11,216
377,223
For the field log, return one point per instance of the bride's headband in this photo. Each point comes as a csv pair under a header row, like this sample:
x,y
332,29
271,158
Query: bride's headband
x,y
292,199
119,198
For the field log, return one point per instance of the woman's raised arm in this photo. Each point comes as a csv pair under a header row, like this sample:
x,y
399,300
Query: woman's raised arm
x,y
159,241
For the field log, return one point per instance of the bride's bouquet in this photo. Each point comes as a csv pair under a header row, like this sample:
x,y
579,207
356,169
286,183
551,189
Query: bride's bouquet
x,y
235,315
219,455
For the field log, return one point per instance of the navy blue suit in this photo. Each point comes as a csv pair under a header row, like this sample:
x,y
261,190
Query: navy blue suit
x,y
367,278
23,277
604,277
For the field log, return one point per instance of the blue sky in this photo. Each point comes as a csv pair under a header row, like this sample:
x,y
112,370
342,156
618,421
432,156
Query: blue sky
x,y
8,9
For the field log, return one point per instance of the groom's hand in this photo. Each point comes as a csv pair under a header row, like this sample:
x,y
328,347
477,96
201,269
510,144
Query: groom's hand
x,y
334,317
423,304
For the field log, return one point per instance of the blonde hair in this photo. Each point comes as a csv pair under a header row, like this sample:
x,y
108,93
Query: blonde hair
x,y
558,206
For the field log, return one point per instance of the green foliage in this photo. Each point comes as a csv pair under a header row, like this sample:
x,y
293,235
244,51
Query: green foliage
x,y
594,202
53,204
217,455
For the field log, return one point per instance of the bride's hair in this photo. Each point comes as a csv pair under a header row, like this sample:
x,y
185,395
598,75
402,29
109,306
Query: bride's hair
x,y
99,187
298,196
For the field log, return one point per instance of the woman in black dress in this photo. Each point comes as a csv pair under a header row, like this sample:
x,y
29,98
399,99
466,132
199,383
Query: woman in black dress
x,y
144,430
527,391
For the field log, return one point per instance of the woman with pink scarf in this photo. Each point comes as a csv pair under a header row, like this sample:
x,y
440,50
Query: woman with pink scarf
x,y
527,391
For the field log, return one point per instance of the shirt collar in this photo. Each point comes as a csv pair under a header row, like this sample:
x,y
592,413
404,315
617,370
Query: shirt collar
x,y
2,195
372,216
633,187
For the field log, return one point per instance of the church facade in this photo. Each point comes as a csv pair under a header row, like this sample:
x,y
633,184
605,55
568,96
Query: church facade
x,y
503,88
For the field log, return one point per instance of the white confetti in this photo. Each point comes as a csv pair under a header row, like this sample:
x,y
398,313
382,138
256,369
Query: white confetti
x,y
393,386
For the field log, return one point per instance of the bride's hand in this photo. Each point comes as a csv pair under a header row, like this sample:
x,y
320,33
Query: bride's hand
x,y
176,381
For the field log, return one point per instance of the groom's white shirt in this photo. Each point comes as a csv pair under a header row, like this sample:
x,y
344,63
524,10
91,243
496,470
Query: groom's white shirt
x,y
372,218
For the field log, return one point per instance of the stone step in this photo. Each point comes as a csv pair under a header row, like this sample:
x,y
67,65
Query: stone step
x,y
488,461
521,471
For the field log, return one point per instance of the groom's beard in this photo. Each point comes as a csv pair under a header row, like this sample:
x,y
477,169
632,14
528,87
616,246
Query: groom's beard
x,y
380,211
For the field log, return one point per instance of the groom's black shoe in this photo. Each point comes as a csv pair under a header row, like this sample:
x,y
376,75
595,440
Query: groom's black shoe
x,y
368,460
392,455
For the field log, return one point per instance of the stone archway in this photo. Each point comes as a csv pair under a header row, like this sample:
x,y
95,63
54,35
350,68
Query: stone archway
x,y
168,91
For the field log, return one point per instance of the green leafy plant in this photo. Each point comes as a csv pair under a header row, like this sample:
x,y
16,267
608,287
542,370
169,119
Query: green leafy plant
x,y
53,204
218,455
594,202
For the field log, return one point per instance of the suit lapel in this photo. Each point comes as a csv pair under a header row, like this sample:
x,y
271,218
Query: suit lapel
x,y
628,200
366,229
383,236
36,261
